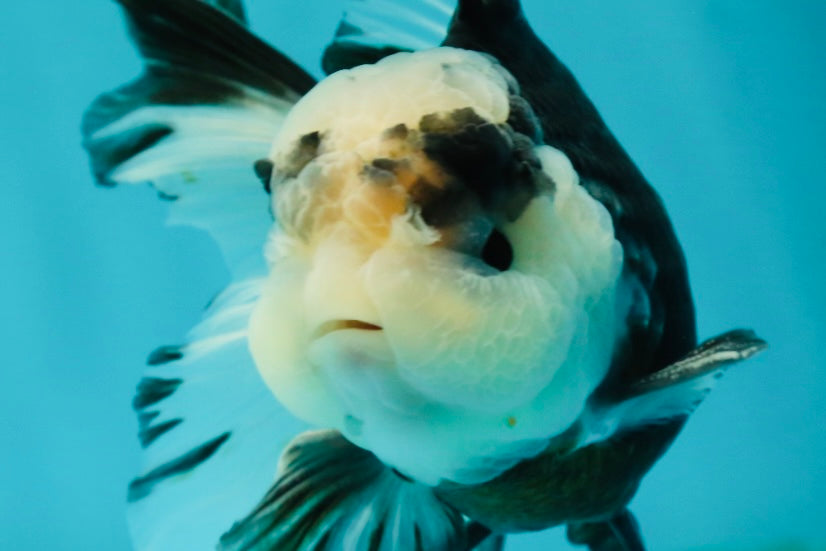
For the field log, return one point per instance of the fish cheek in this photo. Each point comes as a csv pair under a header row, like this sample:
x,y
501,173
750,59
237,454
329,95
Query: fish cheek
x,y
278,343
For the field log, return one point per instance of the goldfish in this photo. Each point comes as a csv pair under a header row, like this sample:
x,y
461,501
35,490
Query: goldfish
x,y
458,310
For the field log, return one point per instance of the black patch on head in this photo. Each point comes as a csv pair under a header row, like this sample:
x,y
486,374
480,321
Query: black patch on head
x,y
388,165
263,170
142,486
398,132
522,119
494,161
459,118
152,390
378,175
442,205
304,151
165,354
310,142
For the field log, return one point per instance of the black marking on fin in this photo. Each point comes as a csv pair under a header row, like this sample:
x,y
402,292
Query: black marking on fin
x,y
108,153
195,54
143,486
233,8
376,537
343,54
619,533
152,390
150,433
476,534
325,488
165,354
163,196
494,542
145,419
199,37
402,476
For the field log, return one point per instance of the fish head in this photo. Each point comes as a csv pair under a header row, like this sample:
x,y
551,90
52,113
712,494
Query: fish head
x,y
430,259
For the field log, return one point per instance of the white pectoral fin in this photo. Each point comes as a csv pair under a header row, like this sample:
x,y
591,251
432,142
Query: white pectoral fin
x,y
373,29
675,391
207,107
211,431
331,495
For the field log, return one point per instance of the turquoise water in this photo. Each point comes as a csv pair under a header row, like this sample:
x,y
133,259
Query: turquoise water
x,y
721,105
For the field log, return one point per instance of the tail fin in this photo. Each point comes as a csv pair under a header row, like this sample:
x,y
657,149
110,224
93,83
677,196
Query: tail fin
x,y
331,496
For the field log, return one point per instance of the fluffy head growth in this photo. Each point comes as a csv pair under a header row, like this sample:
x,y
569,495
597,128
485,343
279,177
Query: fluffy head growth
x,y
442,291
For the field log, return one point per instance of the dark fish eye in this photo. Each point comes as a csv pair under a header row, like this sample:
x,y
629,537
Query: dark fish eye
x,y
497,252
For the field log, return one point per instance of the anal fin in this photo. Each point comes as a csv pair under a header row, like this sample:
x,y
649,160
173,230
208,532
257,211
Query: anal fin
x,y
331,495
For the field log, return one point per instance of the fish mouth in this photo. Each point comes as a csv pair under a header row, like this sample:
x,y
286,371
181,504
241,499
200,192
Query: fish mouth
x,y
340,325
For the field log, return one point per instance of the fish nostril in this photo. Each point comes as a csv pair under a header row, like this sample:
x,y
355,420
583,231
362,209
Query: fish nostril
x,y
497,252
338,325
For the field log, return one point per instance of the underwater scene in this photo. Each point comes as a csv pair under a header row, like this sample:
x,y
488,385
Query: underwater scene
x,y
375,275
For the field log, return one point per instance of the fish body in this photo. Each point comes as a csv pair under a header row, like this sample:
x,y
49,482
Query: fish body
x,y
468,287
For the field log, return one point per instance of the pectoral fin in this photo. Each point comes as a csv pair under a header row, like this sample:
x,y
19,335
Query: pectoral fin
x,y
670,393
709,359
331,495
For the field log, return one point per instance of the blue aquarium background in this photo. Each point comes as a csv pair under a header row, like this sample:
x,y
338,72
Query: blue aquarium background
x,y
720,102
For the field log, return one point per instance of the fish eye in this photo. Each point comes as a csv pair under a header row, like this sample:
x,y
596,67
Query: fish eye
x,y
497,252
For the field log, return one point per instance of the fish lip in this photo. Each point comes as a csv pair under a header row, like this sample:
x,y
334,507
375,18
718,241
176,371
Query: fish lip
x,y
331,326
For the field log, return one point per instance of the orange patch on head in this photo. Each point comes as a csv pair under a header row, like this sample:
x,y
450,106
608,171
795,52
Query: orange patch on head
x,y
371,208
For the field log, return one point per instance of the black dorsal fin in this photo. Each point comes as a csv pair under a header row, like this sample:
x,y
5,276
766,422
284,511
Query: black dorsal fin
x,y
572,124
